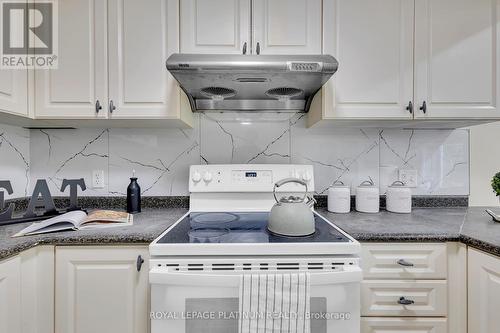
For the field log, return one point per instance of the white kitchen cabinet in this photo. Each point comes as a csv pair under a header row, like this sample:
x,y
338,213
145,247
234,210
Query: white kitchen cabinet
x,y
72,90
443,54
431,278
402,325
14,91
27,292
483,292
37,289
215,26
404,261
427,298
139,84
251,27
457,58
373,42
99,289
287,26
113,52
10,296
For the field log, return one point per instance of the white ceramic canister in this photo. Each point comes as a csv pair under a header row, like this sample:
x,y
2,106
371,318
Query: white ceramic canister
x,y
367,197
398,198
339,198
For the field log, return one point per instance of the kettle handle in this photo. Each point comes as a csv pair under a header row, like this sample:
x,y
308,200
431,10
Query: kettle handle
x,y
290,180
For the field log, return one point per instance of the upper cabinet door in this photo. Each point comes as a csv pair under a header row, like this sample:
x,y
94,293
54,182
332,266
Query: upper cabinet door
x,y
14,91
71,90
139,84
287,26
457,58
373,42
215,26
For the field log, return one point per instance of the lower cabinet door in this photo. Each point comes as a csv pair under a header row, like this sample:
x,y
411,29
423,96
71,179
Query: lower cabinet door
x,y
483,292
403,325
100,289
10,296
416,298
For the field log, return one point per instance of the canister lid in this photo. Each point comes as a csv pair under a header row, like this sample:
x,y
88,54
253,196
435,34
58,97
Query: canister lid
x,y
339,184
367,183
398,184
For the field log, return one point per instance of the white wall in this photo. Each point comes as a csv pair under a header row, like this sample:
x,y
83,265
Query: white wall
x,y
484,163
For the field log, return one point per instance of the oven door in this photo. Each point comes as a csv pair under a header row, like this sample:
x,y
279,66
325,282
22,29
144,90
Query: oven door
x,y
208,301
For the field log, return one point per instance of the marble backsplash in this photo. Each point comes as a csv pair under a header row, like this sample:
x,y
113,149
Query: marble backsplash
x,y
161,157
15,159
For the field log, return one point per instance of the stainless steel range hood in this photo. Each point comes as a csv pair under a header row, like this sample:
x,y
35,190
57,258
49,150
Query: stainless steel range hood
x,y
215,82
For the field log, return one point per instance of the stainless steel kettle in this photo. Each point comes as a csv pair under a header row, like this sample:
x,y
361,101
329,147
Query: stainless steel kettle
x,y
292,215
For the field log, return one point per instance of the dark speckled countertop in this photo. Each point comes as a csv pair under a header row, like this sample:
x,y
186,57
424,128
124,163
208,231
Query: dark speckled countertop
x,y
147,226
471,226
423,224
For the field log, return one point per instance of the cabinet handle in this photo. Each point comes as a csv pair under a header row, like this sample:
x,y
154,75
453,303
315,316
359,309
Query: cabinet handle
x,y
405,263
139,263
410,107
423,108
112,107
403,301
98,106
258,48
245,48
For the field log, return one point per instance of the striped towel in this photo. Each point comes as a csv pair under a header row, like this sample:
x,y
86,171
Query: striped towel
x,y
272,303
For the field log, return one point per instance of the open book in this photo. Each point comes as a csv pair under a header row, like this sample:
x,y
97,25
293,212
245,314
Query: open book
x,y
78,220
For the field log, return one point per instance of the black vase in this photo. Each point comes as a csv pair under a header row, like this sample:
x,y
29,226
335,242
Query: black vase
x,y
133,196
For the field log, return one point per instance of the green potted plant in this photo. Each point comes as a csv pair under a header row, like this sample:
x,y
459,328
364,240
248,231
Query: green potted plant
x,y
495,184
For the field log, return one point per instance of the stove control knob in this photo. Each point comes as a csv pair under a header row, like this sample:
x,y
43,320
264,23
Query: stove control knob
x,y
196,177
207,177
306,176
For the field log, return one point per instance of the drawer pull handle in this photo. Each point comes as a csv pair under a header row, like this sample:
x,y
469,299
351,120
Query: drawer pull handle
x,y
405,263
404,301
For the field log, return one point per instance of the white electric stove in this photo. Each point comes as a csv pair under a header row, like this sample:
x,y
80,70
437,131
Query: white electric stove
x,y
196,265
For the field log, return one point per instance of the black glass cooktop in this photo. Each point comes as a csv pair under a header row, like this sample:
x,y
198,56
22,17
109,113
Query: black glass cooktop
x,y
241,228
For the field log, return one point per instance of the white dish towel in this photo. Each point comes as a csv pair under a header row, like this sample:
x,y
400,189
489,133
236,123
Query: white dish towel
x,y
272,303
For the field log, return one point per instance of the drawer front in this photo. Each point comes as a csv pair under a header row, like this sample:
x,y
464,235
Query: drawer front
x,y
404,261
404,298
403,325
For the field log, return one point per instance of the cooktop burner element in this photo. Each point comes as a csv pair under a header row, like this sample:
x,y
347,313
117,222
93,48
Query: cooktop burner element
x,y
251,227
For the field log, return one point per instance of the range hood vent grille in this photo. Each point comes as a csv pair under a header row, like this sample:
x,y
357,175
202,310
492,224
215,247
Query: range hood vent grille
x,y
218,92
284,92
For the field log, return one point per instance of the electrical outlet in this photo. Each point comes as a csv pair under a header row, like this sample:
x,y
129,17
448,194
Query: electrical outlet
x,y
408,176
98,179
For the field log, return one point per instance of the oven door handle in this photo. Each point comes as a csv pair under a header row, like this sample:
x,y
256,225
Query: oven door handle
x,y
232,279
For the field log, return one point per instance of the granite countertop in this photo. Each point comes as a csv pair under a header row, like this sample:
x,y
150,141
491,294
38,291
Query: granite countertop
x,y
471,226
423,224
147,226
